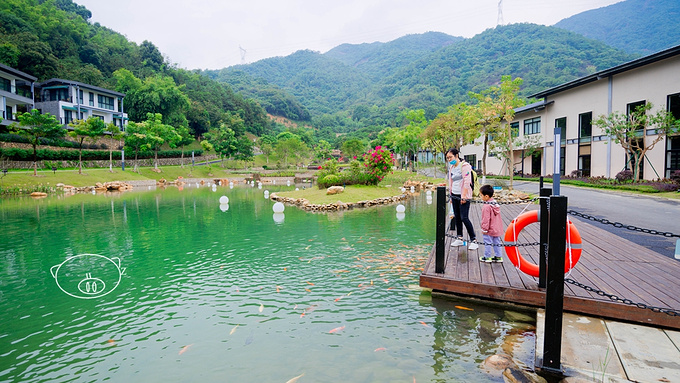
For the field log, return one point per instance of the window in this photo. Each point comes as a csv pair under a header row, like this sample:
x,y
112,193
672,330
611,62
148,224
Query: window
x,y
631,108
585,126
91,99
563,161
5,84
674,105
672,155
105,102
68,116
514,128
562,124
80,96
471,159
532,126
59,94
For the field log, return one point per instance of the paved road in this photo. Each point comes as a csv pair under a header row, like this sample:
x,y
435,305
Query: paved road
x,y
642,211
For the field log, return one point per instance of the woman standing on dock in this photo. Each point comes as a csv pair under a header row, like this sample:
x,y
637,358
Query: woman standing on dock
x,y
459,179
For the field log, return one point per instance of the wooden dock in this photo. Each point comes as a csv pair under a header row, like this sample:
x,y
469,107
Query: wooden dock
x,y
608,263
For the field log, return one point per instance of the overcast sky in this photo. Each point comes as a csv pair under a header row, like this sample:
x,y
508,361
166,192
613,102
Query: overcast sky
x,y
206,34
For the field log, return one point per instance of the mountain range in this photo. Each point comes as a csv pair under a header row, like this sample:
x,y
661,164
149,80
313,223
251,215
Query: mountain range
x,y
433,70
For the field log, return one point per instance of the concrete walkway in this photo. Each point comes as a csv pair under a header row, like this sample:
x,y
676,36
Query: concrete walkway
x,y
600,350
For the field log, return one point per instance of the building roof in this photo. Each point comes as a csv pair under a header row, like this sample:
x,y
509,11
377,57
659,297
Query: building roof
x,y
535,107
17,73
642,61
80,84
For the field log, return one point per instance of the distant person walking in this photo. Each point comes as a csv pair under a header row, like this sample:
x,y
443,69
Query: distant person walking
x,y
459,178
492,226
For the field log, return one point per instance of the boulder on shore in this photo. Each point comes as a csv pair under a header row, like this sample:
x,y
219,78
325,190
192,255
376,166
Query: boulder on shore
x,y
335,190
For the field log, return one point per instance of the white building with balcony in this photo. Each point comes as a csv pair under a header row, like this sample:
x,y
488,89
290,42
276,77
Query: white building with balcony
x,y
72,100
572,107
16,93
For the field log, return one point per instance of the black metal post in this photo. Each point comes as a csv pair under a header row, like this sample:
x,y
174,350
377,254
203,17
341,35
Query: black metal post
x,y
441,230
540,183
554,294
543,248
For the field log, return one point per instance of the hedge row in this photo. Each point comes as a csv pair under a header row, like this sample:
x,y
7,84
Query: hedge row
x,y
11,137
17,154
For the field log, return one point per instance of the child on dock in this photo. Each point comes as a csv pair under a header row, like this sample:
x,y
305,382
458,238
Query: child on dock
x,y
492,226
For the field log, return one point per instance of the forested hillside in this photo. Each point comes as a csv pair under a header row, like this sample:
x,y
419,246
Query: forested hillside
x,y
635,26
359,90
55,39
380,60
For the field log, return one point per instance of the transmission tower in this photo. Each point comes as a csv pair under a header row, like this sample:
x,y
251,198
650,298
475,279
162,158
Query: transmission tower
x,y
243,54
499,21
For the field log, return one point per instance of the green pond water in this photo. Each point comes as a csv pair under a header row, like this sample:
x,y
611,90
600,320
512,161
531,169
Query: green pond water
x,y
207,295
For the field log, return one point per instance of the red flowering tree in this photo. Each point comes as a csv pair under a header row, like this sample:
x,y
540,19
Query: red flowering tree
x,y
378,163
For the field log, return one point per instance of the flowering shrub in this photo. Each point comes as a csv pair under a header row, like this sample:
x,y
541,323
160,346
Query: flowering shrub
x,y
378,164
329,167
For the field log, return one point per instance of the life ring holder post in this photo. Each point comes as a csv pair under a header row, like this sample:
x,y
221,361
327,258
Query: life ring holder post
x,y
554,292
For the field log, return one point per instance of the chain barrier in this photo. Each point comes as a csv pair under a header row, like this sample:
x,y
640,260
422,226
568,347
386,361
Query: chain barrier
x,y
621,225
508,244
616,298
449,196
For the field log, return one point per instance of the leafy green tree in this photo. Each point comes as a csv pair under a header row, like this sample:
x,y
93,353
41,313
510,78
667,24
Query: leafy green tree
x,y
322,150
35,126
137,139
159,133
290,148
115,134
266,144
408,139
353,147
629,131
185,138
501,101
156,94
90,130
244,150
447,130
223,141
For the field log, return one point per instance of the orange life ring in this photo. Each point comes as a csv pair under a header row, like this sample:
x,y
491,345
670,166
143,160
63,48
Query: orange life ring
x,y
573,244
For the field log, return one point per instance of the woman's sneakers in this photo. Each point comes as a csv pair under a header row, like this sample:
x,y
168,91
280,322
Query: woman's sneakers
x,y
457,242
460,242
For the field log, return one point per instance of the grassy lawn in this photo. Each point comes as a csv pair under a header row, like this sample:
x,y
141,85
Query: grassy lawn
x,y
390,186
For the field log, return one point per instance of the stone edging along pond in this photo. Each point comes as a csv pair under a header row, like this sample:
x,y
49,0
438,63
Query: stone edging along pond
x,y
336,206
304,203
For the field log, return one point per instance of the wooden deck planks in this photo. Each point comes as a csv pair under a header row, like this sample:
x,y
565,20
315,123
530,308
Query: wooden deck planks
x,y
608,263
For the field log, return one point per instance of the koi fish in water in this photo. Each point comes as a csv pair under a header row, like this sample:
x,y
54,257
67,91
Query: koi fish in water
x,y
261,307
464,308
295,379
184,349
379,349
233,330
336,329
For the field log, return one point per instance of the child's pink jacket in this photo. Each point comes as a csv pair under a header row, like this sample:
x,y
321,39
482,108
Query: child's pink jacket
x,y
491,219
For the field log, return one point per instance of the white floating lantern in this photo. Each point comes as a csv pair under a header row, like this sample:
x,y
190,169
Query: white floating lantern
x,y
214,188
266,194
413,189
296,189
224,200
231,186
288,183
401,216
278,217
278,207
429,200
224,207
259,186
403,190
401,208
428,193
